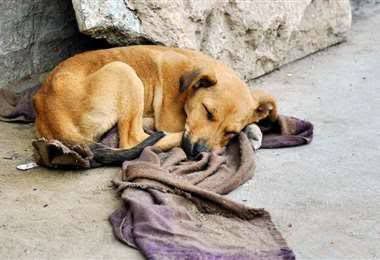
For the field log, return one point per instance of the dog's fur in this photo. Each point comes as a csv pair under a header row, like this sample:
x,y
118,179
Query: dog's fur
x,y
192,97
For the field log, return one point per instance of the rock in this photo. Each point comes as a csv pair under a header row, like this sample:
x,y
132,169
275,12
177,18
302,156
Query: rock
x,y
254,37
364,8
109,19
360,3
35,36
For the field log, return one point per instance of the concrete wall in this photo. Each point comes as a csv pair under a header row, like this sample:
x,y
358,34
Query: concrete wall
x,y
358,4
35,35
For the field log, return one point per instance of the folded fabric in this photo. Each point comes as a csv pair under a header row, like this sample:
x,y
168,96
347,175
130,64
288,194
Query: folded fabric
x,y
174,208
17,107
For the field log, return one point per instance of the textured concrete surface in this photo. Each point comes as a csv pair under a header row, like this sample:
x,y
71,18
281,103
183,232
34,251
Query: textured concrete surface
x,y
323,197
253,37
53,214
35,36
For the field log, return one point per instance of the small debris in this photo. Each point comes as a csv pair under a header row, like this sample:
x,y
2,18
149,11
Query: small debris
x,y
364,78
11,156
244,200
26,166
46,205
290,74
34,189
290,225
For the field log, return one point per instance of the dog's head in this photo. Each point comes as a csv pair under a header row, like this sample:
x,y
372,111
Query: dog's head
x,y
218,107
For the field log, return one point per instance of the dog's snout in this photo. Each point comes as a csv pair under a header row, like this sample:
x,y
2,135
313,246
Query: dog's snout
x,y
186,144
193,149
199,148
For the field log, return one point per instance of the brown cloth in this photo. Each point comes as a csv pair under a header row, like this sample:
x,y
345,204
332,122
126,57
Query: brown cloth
x,y
174,208
285,132
17,107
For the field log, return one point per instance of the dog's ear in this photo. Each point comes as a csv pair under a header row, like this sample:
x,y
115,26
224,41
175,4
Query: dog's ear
x,y
197,78
265,106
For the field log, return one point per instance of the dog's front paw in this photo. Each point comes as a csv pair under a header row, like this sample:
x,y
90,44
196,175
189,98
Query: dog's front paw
x,y
254,135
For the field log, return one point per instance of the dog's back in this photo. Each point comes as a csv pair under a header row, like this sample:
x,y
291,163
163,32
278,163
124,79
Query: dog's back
x,y
81,99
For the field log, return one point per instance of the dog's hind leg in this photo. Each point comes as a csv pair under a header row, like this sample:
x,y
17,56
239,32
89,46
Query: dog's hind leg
x,y
130,103
148,123
131,132
117,96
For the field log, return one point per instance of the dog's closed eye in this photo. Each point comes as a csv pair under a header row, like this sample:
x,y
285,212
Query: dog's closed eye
x,y
230,134
210,115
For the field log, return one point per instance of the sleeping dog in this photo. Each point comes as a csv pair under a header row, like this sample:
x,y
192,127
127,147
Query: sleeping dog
x,y
198,102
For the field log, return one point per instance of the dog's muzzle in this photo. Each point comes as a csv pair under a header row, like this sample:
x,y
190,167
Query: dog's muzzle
x,y
192,150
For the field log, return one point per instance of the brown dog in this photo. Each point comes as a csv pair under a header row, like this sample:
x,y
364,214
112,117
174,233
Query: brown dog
x,y
192,97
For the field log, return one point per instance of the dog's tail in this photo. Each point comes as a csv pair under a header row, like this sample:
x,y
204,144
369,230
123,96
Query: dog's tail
x,y
105,155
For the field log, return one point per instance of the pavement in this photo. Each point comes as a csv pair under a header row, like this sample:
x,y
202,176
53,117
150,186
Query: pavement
x,y
324,197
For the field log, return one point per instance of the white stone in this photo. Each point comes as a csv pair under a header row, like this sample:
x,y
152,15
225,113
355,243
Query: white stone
x,y
254,37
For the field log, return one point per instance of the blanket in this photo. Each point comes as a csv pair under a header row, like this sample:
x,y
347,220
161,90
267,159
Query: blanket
x,y
176,208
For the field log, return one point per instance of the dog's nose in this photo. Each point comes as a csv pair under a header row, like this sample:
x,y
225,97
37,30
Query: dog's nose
x,y
187,145
193,149
198,148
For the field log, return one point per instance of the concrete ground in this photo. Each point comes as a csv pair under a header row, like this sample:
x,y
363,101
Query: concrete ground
x,y
324,198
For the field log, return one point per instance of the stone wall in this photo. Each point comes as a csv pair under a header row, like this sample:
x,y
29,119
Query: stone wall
x,y
359,3
254,37
35,36
364,7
